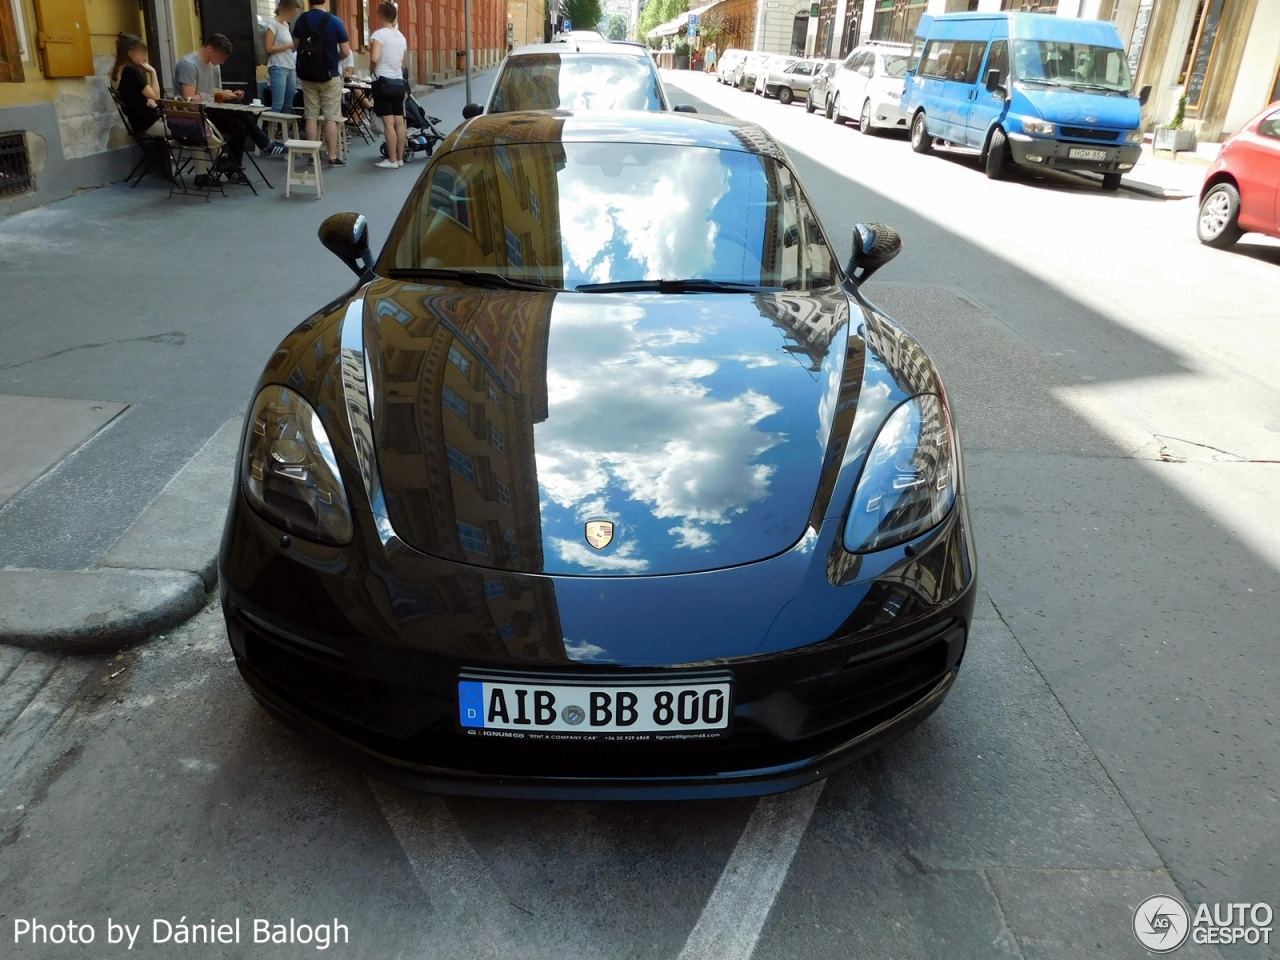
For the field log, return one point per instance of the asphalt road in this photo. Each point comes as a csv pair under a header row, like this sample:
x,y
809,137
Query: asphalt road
x,y
1112,736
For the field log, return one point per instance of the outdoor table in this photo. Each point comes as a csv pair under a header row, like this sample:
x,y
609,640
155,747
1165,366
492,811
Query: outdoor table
x,y
255,110
358,114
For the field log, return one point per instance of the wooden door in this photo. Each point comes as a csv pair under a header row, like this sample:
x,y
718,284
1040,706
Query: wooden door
x,y
63,38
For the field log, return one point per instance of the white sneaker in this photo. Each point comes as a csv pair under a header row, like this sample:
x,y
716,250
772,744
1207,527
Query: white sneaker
x,y
387,164
399,163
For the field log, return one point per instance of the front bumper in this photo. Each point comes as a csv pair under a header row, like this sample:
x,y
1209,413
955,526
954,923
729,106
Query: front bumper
x,y
1118,158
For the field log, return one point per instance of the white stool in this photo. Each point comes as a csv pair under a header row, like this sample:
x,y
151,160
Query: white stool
x,y
301,178
280,126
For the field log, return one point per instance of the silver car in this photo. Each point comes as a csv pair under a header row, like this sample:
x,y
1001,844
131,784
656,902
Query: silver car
x,y
787,82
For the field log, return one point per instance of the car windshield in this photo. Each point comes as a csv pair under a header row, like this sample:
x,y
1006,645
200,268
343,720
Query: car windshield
x,y
1071,64
571,214
896,66
576,81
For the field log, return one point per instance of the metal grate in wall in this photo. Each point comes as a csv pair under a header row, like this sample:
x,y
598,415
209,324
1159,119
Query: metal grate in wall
x,y
15,164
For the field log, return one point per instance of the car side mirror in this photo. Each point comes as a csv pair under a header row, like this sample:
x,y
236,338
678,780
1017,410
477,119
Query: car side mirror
x,y
685,108
874,245
993,80
1144,95
472,110
347,236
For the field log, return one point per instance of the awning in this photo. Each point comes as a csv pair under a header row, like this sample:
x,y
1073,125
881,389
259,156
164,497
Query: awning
x,y
678,23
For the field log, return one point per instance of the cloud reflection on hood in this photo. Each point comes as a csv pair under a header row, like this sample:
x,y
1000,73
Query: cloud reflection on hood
x,y
668,441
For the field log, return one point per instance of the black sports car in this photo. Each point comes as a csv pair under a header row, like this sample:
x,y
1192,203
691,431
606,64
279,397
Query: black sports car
x,y
603,481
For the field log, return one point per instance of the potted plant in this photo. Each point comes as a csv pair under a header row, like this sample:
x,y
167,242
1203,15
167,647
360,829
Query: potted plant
x,y
1173,136
682,54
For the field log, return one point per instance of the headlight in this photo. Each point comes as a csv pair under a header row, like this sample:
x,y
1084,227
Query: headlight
x,y
1133,136
909,481
289,472
1041,127
894,94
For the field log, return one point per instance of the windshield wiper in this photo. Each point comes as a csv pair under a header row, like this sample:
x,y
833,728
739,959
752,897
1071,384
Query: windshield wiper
x,y
1045,80
472,278
674,286
1085,85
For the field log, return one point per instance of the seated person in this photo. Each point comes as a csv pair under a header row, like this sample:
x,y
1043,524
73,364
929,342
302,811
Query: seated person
x,y
201,73
139,89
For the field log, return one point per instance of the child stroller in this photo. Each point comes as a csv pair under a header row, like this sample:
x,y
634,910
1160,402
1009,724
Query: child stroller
x,y
421,131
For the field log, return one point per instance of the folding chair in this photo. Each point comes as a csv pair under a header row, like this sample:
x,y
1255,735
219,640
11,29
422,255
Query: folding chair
x,y
153,148
189,129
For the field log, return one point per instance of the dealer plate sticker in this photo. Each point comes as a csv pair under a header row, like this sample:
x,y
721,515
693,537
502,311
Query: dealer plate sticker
x,y
1081,153
595,711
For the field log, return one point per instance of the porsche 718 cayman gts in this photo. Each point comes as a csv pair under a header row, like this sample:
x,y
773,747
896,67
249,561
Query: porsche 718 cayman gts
x,y
605,480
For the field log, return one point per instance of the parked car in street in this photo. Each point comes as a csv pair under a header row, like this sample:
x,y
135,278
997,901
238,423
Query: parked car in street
x,y
728,63
577,76
772,63
744,77
791,81
820,86
869,82
1241,192
536,508
1027,89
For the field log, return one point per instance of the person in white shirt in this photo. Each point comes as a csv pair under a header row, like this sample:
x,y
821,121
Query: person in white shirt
x,y
387,46
281,59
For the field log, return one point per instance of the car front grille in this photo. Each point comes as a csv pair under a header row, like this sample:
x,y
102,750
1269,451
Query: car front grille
x,y
1087,133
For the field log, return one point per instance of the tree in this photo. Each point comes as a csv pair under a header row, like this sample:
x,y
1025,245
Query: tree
x,y
583,14
615,27
658,12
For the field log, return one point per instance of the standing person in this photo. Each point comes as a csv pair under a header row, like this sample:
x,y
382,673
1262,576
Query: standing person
x,y
138,86
387,46
710,61
281,59
322,44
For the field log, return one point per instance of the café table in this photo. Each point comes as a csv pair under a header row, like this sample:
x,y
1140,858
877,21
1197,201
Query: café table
x,y
252,109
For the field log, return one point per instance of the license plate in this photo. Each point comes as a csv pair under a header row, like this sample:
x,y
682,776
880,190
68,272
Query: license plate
x,y
1083,153
594,710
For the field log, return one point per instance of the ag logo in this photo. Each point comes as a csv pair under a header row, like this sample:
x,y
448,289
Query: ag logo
x,y
1161,924
599,533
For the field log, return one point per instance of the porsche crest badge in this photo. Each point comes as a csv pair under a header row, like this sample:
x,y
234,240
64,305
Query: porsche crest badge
x,y
599,533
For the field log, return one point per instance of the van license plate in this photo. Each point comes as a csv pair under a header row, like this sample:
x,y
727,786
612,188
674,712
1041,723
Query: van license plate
x,y
1082,153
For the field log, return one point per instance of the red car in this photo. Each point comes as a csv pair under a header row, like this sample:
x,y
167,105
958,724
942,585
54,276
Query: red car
x,y
1241,193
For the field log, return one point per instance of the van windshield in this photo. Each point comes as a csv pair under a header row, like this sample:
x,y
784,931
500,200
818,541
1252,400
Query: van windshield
x,y
1071,64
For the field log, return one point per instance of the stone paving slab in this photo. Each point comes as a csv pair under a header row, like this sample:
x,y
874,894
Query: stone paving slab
x,y
36,433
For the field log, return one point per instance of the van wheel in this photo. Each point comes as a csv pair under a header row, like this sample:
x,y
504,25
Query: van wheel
x,y
921,142
997,155
836,115
785,96
864,119
1218,224
1111,181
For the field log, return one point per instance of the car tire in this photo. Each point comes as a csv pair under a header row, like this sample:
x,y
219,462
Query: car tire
x,y
808,105
864,119
1111,181
1218,221
785,96
826,107
921,142
836,116
997,155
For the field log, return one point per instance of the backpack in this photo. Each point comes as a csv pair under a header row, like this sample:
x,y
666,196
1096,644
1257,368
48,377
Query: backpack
x,y
314,63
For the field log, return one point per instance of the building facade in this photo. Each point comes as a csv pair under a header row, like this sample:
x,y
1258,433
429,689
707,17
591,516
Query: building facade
x,y
526,22
60,131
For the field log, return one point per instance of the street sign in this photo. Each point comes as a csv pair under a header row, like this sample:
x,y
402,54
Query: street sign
x,y
568,25
693,25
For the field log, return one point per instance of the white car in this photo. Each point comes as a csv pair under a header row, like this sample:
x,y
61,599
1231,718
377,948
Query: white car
x,y
728,63
772,64
868,85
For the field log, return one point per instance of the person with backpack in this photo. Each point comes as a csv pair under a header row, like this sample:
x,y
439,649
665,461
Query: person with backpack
x,y
322,43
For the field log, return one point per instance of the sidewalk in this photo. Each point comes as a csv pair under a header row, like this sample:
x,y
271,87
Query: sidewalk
x,y
1168,176
111,511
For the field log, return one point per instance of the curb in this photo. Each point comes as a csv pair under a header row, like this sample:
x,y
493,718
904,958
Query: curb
x,y
155,577
93,611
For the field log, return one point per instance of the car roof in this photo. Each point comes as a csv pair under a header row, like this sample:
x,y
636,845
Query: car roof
x,y
570,47
616,126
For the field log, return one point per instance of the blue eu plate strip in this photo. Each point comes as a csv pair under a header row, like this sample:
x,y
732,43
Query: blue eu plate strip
x,y
471,703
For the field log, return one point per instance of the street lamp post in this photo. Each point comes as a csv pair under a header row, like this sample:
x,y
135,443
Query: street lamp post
x,y
466,16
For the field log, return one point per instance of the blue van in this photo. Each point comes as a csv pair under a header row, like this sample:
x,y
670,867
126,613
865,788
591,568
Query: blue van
x,y
1025,88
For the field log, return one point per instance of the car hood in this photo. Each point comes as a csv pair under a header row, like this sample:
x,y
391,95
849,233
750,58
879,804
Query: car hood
x,y
696,425
1083,107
